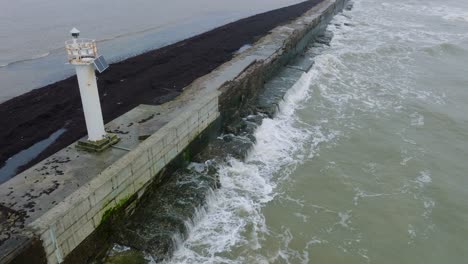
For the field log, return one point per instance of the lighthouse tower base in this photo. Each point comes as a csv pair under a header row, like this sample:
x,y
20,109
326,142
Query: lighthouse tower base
x,y
100,145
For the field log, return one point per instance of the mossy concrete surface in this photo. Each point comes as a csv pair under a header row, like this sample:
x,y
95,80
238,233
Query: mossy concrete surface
x,y
98,146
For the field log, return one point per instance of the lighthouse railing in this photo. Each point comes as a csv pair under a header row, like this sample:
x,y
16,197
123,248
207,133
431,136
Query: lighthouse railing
x,y
81,50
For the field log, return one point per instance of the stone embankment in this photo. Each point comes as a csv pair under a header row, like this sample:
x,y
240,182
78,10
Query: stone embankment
x,y
62,216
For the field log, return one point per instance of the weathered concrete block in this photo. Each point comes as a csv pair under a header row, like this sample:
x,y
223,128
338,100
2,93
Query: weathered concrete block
x,y
65,248
125,186
123,196
109,201
170,137
97,216
137,171
183,143
58,227
45,238
75,213
193,125
141,160
156,148
193,119
213,117
61,243
202,114
83,231
60,238
170,155
213,109
193,133
182,129
202,125
158,166
122,176
49,249
140,181
168,148
180,119
52,259
71,242
99,205
101,192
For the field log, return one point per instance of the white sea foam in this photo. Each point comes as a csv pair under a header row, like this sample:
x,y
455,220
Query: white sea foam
x,y
457,17
434,9
342,90
33,57
361,194
417,119
234,218
303,217
411,232
405,161
120,248
424,178
344,218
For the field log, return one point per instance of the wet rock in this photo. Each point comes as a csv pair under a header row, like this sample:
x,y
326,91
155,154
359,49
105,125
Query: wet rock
x,y
130,256
163,216
247,111
325,38
257,119
269,109
268,101
226,146
234,128
243,126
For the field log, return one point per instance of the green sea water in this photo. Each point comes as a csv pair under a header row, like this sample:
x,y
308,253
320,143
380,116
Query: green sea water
x,y
367,160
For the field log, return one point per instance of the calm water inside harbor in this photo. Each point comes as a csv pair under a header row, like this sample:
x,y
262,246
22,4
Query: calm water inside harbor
x,y
367,160
32,33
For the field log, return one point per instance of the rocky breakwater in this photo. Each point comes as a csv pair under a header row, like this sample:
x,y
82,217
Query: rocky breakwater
x,y
164,216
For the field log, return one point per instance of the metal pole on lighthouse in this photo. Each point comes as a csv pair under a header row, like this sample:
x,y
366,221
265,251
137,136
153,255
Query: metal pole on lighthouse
x,y
82,53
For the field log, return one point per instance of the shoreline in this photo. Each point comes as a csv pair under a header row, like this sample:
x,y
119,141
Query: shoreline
x,y
154,77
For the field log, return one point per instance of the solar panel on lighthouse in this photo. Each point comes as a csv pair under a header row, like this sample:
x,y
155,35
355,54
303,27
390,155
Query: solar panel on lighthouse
x,y
100,64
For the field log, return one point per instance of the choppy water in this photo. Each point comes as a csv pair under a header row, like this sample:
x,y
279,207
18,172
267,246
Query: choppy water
x,y
367,160
32,33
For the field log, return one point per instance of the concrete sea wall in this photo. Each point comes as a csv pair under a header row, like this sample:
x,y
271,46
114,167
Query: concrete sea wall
x,y
152,136
238,94
64,227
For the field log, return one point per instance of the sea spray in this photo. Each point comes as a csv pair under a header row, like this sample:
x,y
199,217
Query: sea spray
x,y
375,148
234,219
245,163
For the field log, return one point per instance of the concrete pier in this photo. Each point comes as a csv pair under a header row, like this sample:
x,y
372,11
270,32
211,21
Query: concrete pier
x,y
58,203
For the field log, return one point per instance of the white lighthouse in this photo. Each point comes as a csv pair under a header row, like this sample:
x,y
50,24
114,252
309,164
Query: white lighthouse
x,y
82,53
